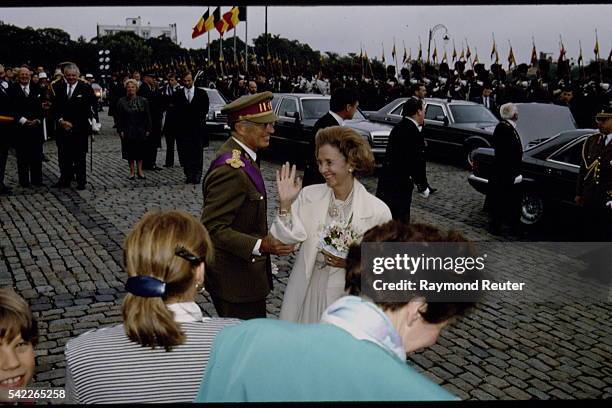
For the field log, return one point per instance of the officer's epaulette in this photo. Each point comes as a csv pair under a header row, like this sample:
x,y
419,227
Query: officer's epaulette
x,y
52,83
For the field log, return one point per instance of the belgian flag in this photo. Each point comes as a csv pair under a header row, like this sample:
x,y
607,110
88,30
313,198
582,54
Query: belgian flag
x,y
204,24
220,23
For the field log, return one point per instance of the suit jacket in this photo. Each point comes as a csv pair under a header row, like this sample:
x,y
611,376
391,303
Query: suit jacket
x,y
508,154
492,104
6,126
311,172
404,163
234,213
155,102
30,108
78,110
191,117
171,120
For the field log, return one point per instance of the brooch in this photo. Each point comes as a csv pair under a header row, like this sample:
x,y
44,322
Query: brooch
x,y
235,161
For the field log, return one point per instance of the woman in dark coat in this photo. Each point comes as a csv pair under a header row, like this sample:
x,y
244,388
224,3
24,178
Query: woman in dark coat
x,y
133,125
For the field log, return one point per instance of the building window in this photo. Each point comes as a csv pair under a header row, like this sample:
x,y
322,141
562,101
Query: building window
x,y
145,34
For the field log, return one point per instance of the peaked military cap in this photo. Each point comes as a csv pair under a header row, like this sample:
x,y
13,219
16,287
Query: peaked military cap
x,y
606,112
255,108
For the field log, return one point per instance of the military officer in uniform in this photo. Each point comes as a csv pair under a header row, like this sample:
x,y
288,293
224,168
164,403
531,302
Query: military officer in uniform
x,y
234,213
594,189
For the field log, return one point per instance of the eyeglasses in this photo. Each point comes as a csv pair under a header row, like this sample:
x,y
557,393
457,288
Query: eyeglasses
x,y
601,120
188,256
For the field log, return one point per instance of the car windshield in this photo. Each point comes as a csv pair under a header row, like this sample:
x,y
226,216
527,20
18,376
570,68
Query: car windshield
x,y
315,108
472,114
215,98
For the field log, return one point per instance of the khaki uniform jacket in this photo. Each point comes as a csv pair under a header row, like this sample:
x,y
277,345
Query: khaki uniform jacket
x,y
595,178
235,215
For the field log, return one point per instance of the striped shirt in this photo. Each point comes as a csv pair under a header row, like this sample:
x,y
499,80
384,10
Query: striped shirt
x,y
105,366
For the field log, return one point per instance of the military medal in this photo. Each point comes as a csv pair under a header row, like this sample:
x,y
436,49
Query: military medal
x,y
235,161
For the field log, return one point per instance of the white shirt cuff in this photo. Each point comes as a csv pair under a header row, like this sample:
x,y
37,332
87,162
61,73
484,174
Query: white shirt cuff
x,y
256,248
22,121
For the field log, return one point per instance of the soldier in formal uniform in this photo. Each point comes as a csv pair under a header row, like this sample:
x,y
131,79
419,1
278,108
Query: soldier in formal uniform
x,y
594,189
235,210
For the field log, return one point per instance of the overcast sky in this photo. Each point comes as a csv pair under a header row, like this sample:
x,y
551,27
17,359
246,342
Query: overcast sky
x,y
343,29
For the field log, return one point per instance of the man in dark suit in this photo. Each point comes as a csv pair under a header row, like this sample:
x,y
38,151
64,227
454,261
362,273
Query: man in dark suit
x,y
170,122
487,99
148,89
404,164
26,100
235,213
6,129
73,103
418,91
342,106
504,196
191,106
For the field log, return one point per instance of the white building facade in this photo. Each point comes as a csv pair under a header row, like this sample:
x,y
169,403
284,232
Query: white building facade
x,y
134,24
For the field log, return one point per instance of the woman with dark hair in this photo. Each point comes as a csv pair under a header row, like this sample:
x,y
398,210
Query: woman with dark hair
x,y
357,352
159,352
133,125
317,278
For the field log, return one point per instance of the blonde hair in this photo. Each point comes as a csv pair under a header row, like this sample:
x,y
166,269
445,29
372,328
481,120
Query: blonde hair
x,y
355,150
131,81
16,318
149,250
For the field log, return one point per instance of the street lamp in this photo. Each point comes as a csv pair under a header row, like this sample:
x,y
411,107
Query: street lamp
x,y
104,60
432,31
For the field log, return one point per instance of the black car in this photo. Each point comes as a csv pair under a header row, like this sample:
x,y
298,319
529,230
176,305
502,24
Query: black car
x,y
454,126
549,170
215,121
460,127
298,113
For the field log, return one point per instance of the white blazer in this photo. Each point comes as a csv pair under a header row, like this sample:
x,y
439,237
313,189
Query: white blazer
x,y
308,213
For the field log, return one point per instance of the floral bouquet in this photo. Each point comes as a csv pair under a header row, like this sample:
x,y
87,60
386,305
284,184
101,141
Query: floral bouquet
x,y
336,238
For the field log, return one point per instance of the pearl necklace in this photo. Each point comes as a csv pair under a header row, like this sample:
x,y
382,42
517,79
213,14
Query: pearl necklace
x,y
334,210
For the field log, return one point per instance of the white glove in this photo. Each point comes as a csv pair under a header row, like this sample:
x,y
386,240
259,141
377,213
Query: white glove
x,y
518,179
609,204
425,193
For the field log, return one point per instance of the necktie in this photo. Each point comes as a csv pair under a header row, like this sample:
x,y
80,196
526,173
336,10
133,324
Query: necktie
x,y
70,89
26,91
189,95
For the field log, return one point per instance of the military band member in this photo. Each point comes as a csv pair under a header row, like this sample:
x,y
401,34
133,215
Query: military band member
x,y
235,210
594,190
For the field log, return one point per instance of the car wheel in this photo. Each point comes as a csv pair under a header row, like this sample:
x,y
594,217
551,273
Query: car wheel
x,y
469,154
532,209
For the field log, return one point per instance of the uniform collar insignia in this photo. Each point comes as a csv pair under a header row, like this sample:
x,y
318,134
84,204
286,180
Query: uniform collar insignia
x,y
235,161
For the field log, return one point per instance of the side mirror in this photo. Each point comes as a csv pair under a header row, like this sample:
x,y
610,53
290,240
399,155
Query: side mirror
x,y
442,118
294,115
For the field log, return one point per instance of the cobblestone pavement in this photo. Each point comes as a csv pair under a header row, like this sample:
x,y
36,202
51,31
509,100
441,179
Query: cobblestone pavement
x,y
61,250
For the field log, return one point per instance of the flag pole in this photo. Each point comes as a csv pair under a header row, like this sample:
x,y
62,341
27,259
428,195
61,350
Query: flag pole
x,y
246,46
235,56
208,44
396,70
267,46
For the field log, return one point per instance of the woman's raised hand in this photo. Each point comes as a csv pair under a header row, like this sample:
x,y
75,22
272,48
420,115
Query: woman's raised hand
x,y
287,185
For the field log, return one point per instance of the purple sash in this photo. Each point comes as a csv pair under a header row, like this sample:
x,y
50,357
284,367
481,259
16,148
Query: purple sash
x,y
251,171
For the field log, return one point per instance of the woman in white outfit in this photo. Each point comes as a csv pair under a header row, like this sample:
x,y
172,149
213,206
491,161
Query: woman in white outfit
x,y
318,278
